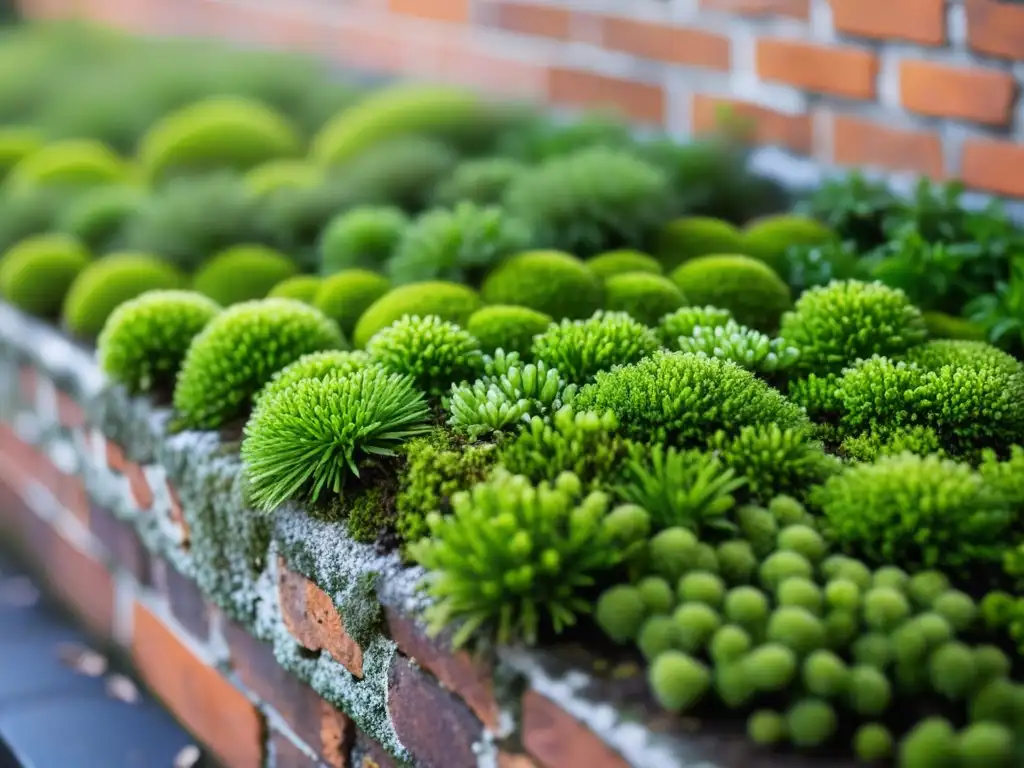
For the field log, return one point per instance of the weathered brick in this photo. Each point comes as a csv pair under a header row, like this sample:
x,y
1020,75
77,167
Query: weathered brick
x,y
468,62
69,412
70,492
177,516
994,166
767,127
996,28
314,622
797,9
662,42
514,760
373,754
116,460
528,19
965,93
438,729
437,10
209,706
919,21
337,736
28,386
288,755
187,603
575,88
837,71
469,678
557,739
22,464
138,486
859,142
121,541
83,582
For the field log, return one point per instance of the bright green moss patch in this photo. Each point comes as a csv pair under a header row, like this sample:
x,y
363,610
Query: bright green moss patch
x,y
769,238
646,297
346,295
364,237
242,273
448,301
754,294
687,238
612,263
551,282
303,288
507,327
69,163
37,273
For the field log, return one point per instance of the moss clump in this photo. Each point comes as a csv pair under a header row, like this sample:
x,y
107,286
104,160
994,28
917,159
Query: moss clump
x,y
110,281
97,218
401,172
620,612
363,237
579,349
239,351
507,327
693,236
344,296
299,287
145,339
933,355
434,353
448,301
646,297
482,181
683,322
315,365
551,282
274,175
811,723
769,238
746,287
15,145
69,163
242,273
612,263
36,273
217,132
678,681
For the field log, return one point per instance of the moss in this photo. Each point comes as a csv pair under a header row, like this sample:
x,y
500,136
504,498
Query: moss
x,y
400,172
346,295
646,297
98,217
769,238
368,515
274,175
302,288
15,145
363,237
693,236
449,301
482,181
242,273
36,274
555,283
943,326
611,263
754,294
507,327
68,163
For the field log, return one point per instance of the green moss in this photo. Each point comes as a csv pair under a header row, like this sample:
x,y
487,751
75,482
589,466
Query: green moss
x,y
368,515
109,282
363,237
274,175
448,301
482,181
612,263
344,296
507,327
646,297
768,238
98,217
68,163
401,172
943,326
693,236
754,294
242,273
15,145
36,274
302,288
555,283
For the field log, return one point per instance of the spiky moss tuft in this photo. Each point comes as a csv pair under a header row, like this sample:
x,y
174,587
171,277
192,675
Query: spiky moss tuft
x,y
552,282
445,112
242,273
682,398
449,301
481,181
98,217
873,444
304,441
145,339
540,548
507,327
644,296
754,294
274,175
215,133
612,263
593,200
770,237
299,287
692,236
346,295
434,353
68,163
837,324
943,326
459,244
934,354
579,349
685,320
15,145
239,351
744,346
401,172
315,365
363,237
110,281
36,273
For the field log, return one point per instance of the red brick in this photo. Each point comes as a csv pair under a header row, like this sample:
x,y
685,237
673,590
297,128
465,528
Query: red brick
x,y
121,541
468,62
433,725
468,677
766,126
529,19
69,412
314,622
28,386
576,88
919,21
514,760
218,714
965,93
178,517
996,28
337,735
186,601
82,582
675,45
70,492
374,755
556,739
797,9
115,456
22,464
138,485
860,142
436,10
994,166
843,72
288,755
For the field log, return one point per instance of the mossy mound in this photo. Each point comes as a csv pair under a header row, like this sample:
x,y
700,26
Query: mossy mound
x,y
506,327
299,287
69,163
612,263
693,236
748,288
449,301
364,237
346,295
15,145
274,175
242,273
646,297
770,237
555,283
36,274
99,216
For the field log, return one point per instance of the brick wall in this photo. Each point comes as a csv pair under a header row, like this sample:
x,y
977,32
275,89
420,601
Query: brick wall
x,y
916,86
